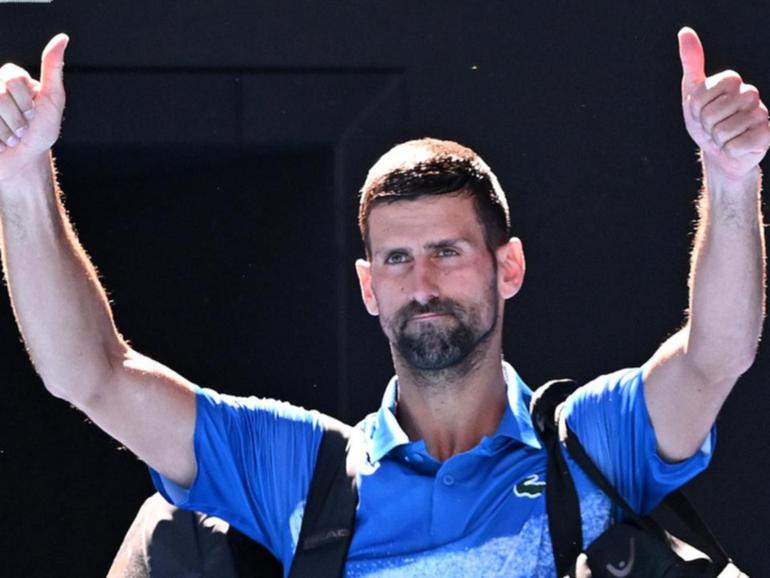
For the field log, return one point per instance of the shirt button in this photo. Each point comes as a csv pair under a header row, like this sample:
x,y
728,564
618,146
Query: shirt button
x,y
416,458
448,480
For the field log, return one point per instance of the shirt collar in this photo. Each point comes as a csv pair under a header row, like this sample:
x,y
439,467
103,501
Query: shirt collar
x,y
386,433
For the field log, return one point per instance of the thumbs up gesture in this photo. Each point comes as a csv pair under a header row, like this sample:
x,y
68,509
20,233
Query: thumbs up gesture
x,y
31,110
724,116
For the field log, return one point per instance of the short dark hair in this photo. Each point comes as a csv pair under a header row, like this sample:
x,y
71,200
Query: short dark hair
x,y
428,166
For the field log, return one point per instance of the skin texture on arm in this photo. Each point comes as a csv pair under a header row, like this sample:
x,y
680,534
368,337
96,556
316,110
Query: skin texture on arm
x,y
690,376
61,308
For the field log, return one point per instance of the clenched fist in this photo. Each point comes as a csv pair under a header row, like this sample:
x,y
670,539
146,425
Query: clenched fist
x,y
31,110
724,116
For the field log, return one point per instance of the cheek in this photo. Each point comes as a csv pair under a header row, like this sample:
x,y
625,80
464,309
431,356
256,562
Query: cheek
x,y
475,285
387,298
388,289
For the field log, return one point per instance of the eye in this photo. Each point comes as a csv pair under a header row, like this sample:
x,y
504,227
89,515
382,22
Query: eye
x,y
396,258
447,252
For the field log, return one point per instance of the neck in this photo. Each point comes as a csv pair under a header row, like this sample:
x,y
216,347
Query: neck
x,y
452,409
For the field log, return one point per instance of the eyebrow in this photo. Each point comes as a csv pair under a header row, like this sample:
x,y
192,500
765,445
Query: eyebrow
x,y
447,243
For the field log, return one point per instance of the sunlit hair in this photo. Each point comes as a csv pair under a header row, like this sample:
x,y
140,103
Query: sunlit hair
x,y
428,166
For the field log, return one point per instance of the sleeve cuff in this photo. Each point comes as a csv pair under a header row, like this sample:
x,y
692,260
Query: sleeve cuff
x,y
172,492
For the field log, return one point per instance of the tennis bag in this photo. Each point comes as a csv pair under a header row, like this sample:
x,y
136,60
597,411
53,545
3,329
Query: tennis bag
x,y
638,546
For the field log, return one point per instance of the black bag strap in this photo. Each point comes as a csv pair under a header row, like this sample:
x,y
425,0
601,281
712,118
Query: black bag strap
x,y
587,465
676,502
330,512
562,504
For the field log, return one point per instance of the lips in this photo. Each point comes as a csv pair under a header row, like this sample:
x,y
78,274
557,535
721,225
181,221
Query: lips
x,y
426,316
429,312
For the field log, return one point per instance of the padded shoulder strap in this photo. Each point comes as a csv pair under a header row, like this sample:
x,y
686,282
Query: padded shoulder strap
x,y
330,511
562,504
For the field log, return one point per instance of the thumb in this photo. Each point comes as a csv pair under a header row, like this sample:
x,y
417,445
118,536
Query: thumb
x,y
51,68
691,55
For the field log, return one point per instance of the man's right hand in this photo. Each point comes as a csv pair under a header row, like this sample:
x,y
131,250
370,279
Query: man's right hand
x,y
61,308
31,110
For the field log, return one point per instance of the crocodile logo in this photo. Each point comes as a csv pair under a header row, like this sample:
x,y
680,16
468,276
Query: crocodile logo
x,y
624,568
530,487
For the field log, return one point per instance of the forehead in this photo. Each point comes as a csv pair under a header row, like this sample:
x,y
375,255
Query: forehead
x,y
425,219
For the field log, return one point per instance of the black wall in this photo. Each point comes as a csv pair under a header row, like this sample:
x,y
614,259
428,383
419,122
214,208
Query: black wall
x,y
211,155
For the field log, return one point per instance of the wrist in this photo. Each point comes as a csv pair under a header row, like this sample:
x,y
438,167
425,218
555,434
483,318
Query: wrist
x,y
720,182
34,175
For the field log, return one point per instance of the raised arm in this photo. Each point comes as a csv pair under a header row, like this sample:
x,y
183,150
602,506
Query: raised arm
x,y
691,375
59,304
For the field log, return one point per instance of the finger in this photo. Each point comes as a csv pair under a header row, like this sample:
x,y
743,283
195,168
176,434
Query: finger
x,y
51,68
726,82
17,82
755,141
7,138
582,570
726,105
22,91
692,57
736,125
11,116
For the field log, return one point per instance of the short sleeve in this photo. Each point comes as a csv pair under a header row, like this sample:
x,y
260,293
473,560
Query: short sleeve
x,y
610,417
255,461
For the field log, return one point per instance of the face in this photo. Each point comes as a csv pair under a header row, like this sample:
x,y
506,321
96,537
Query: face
x,y
432,280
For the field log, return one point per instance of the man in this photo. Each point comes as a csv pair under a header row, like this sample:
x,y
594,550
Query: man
x,y
453,481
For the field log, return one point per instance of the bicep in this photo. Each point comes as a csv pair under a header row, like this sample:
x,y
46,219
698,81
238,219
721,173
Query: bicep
x,y
150,409
682,401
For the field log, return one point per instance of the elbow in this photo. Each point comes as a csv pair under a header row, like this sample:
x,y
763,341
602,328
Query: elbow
x,y
82,384
728,365
58,389
721,356
59,383
742,362
76,390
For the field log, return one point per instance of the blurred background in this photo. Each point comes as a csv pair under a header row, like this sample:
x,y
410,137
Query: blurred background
x,y
211,156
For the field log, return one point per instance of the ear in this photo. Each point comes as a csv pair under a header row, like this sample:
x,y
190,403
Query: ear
x,y
510,267
364,272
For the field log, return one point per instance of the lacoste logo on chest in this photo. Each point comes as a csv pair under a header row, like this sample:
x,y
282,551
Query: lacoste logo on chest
x,y
530,487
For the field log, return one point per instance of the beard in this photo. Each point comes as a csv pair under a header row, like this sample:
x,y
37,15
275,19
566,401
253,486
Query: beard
x,y
444,342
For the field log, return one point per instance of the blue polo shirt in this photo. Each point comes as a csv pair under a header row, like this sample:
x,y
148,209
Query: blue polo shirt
x,y
479,513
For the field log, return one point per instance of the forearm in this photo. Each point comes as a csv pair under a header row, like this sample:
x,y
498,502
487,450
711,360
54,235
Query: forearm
x,y
60,307
688,378
727,276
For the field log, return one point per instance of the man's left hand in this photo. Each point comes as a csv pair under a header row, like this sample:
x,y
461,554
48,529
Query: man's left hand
x,y
724,116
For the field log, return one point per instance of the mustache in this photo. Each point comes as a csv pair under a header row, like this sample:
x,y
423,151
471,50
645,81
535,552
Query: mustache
x,y
436,306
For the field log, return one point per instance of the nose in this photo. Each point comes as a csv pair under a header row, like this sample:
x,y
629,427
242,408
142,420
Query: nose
x,y
425,288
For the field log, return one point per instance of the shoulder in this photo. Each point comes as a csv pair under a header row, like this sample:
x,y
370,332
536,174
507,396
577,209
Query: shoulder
x,y
210,400
621,391
253,417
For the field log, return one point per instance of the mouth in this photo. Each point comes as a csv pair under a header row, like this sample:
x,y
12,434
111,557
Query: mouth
x,y
427,316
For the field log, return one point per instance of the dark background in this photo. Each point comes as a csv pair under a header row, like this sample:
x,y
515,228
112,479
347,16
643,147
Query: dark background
x,y
211,154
